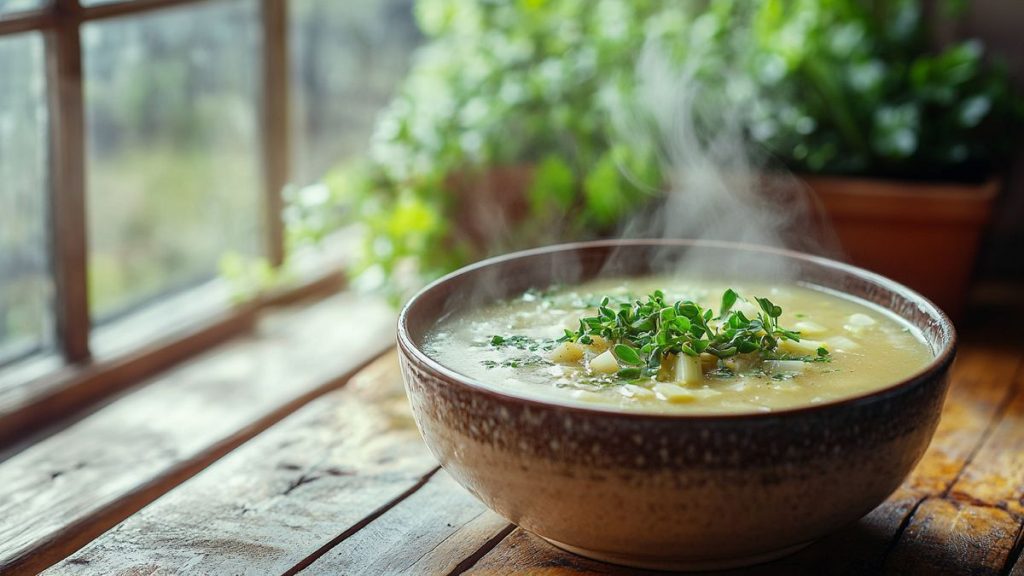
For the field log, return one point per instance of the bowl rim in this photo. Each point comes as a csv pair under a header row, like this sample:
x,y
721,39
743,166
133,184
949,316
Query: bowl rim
x,y
941,361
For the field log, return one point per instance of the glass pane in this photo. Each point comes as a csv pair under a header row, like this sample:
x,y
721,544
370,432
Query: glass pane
x,y
13,6
173,169
347,59
25,281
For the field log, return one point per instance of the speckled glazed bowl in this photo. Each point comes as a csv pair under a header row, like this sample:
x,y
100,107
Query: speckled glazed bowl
x,y
665,491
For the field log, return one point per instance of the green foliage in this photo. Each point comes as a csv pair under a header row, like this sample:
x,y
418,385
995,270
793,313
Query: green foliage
x,y
851,87
826,86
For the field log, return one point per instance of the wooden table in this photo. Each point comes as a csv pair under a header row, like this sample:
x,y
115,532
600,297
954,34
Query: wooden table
x,y
342,484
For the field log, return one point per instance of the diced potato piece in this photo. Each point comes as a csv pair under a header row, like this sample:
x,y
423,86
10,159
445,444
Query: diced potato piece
x,y
598,345
808,328
688,370
742,362
785,366
674,394
804,346
857,323
708,362
604,363
842,343
567,352
859,319
634,391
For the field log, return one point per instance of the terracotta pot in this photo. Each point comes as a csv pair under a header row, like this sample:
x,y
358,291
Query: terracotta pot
x,y
925,235
490,203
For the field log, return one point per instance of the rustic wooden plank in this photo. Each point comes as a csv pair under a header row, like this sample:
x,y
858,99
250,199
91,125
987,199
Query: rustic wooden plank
x,y
946,537
995,476
65,490
430,532
1018,564
465,546
524,553
277,503
982,385
31,405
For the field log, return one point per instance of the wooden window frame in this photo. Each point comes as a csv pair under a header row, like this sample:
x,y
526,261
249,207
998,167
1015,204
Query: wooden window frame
x,y
81,379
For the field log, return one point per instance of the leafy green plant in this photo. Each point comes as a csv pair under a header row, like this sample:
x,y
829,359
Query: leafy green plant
x,y
832,86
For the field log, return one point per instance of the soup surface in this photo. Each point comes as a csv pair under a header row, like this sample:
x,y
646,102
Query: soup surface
x,y
812,346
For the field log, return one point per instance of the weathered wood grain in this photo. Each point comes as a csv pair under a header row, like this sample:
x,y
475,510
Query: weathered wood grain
x,y
283,499
946,537
62,492
430,532
464,547
995,476
982,384
1018,564
523,553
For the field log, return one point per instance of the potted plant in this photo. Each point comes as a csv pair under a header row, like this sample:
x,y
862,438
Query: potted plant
x,y
504,124
903,145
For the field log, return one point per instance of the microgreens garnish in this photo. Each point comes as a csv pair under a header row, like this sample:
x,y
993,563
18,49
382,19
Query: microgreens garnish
x,y
644,332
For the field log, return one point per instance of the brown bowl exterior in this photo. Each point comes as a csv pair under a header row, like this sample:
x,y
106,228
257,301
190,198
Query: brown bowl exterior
x,y
668,491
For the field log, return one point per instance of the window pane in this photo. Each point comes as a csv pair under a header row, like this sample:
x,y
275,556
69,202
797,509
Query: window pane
x,y
25,281
173,149
347,59
13,6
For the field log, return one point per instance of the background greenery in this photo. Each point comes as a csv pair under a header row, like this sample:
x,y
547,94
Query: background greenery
x,y
824,86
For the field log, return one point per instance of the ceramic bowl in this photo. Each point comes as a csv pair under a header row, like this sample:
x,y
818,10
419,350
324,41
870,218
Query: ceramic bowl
x,y
671,491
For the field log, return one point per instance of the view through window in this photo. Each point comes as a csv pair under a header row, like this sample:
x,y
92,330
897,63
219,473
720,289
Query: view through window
x,y
26,284
174,103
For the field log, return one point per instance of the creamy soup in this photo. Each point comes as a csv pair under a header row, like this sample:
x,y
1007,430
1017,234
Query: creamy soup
x,y
660,345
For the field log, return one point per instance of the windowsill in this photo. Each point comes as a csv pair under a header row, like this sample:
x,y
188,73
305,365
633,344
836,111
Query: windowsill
x,y
42,388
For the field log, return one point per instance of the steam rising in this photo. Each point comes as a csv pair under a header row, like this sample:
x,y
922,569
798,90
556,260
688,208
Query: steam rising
x,y
720,185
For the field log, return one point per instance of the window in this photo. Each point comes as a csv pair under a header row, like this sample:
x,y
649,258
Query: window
x,y
142,140
173,169
347,59
25,281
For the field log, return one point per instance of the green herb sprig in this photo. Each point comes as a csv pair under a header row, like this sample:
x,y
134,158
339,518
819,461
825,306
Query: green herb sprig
x,y
645,331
